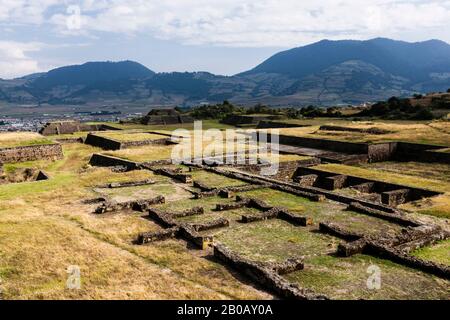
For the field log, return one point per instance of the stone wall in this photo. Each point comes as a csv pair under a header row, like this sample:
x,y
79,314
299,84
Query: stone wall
x,y
274,124
390,194
129,144
266,275
111,144
31,153
421,153
69,127
100,160
373,130
324,144
102,142
381,151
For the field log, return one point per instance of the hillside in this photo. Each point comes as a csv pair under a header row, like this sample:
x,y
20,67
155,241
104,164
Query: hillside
x,y
323,73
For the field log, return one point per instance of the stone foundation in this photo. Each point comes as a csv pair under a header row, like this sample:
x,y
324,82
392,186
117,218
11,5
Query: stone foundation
x,y
391,217
264,275
31,153
101,160
136,205
116,185
148,237
215,224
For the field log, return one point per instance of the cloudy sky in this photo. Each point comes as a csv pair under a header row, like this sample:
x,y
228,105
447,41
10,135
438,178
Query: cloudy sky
x,y
220,36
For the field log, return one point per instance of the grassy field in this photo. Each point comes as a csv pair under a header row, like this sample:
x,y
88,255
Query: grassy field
x,y
206,124
346,278
127,136
438,206
437,132
20,139
439,252
45,228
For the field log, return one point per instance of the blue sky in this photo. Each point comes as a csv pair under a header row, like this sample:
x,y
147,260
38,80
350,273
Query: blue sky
x,y
221,36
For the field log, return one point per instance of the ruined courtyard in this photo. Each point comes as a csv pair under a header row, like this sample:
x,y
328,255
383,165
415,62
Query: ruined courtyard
x,y
348,198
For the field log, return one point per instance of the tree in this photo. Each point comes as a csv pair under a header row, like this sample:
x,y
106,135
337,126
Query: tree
x,y
424,114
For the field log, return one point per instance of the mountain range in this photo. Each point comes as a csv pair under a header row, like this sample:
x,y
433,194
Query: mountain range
x,y
323,73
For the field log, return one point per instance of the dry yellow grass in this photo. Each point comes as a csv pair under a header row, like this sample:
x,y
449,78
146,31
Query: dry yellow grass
x,y
437,132
436,206
132,135
15,139
44,228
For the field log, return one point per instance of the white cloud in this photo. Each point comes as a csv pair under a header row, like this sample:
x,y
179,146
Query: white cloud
x,y
238,22
14,60
262,23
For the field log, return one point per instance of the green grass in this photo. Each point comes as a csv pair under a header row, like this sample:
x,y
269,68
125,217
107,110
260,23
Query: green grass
x,y
206,124
215,180
129,136
439,171
209,204
34,142
411,181
16,190
275,240
439,252
324,211
346,278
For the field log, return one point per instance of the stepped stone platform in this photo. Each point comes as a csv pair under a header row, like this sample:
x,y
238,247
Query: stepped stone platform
x,y
324,155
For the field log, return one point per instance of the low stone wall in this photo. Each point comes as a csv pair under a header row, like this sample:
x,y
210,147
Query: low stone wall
x,y
215,224
394,248
137,205
379,152
127,184
335,230
373,130
31,153
102,142
391,217
148,237
174,174
421,153
232,206
269,214
129,144
276,124
161,217
265,275
390,194
101,160
397,256
67,127
376,152
189,212
323,144
70,140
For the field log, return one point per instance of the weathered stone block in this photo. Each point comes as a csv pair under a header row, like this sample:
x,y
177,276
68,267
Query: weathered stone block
x,y
334,182
148,237
395,197
307,180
